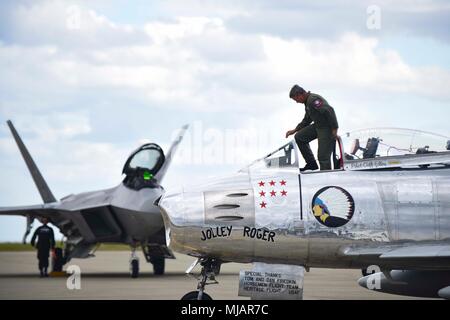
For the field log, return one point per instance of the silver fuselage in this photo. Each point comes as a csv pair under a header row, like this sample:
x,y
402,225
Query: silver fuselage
x,y
391,208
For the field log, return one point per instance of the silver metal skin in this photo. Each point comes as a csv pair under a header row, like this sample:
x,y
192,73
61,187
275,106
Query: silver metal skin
x,y
125,214
383,215
406,207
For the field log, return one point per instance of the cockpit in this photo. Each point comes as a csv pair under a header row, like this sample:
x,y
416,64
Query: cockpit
x,y
387,142
357,150
142,166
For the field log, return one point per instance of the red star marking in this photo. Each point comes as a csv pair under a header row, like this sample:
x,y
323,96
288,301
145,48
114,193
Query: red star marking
x,y
273,193
283,183
284,193
263,204
262,194
272,183
261,184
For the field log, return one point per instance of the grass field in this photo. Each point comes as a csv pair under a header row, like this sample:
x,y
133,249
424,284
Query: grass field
x,y
17,247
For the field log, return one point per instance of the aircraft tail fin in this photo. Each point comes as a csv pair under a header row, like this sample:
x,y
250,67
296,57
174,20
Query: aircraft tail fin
x,y
44,190
170,154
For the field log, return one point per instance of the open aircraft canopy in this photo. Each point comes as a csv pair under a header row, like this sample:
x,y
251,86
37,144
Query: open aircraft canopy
x,y
143,165
286,156
362,145
386,142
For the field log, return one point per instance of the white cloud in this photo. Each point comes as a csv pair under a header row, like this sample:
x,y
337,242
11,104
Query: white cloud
x,y
184,27
420,6
352,62
68,166
57,22
174,70
332,19
198,63
63,125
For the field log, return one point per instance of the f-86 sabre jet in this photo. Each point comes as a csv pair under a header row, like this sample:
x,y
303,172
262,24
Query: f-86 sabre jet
x,y
123,214
385,204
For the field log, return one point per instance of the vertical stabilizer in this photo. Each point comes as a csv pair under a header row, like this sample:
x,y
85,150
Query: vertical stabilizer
x,y
42,186
171,153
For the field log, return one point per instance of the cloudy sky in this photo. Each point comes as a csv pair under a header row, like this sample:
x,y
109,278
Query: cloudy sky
x,y
86,82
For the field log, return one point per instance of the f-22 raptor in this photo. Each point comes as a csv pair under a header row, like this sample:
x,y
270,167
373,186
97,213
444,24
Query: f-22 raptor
x,y
123,214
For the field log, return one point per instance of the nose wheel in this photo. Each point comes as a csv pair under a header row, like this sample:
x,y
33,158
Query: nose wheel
x,y
210,269
134,264
194,295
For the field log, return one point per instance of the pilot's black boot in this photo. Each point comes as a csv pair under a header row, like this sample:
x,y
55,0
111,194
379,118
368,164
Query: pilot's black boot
x,y
45,273
42,273
310,166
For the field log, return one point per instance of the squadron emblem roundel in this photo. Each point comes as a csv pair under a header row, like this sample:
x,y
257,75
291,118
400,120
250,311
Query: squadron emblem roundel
x,y
333,207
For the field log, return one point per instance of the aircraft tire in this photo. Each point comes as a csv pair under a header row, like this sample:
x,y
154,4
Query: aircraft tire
x,y
193,295
134,269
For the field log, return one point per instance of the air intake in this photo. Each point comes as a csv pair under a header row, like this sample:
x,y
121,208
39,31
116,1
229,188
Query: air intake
x,y
227,206
237,195
229,218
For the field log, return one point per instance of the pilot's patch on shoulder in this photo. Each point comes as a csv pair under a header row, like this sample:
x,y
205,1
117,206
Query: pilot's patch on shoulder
x,y
318,103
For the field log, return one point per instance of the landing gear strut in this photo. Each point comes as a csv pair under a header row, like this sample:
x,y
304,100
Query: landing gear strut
x,y
134,264
210,268
158,265
156,254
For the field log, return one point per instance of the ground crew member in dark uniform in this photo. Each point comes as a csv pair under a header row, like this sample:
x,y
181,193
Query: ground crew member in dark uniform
x,y
324,128
45,243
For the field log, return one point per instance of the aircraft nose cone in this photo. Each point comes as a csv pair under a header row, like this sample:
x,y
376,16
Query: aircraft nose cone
x,y
172,206
183,208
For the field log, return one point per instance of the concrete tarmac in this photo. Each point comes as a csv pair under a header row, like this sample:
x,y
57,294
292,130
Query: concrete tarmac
x,y
107,277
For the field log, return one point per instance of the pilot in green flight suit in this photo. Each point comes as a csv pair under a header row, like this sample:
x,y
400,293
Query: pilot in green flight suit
x,y
324,128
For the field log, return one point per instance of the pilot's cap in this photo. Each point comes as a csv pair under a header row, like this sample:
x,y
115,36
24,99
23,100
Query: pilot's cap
x,y
296,90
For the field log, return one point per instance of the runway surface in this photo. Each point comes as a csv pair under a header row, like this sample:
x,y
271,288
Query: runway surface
x,y
107,277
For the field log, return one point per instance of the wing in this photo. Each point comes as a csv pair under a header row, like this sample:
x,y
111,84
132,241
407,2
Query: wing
x,y
37,211
33,212
76,245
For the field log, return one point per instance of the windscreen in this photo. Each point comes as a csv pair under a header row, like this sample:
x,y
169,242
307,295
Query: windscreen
x,y
146,159
284,157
